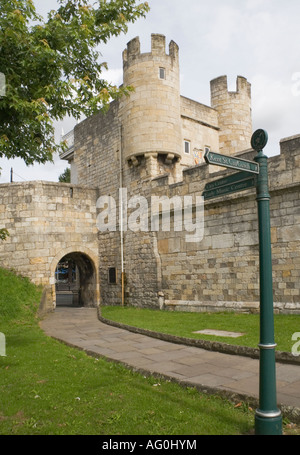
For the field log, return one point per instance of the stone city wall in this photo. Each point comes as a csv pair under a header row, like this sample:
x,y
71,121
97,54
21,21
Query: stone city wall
x,y
162,269
220,272
46,221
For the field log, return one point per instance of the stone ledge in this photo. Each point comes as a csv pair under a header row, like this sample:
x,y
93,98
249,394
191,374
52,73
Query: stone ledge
x,y
211,306
222,305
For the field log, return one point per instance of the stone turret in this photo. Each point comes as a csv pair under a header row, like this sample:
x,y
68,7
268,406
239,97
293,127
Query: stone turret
x,y
234,112
151,114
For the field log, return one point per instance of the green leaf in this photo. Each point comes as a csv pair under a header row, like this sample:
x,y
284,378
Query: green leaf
x,y
53,69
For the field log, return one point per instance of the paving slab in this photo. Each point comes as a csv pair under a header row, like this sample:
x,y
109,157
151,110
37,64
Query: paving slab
x,y
208,370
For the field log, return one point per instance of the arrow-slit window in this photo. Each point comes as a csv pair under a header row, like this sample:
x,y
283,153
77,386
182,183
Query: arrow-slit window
x,y
162,73
187,147
112,275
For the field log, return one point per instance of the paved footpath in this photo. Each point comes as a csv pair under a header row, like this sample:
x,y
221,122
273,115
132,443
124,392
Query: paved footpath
x,y
232,375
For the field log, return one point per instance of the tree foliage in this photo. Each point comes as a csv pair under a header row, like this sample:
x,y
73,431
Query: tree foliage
x,y
65,177
52,68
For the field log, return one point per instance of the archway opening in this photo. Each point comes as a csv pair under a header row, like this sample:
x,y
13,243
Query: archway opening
x,y
75,281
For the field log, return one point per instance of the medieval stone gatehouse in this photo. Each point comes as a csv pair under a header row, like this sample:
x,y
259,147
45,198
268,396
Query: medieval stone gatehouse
x,y
123,220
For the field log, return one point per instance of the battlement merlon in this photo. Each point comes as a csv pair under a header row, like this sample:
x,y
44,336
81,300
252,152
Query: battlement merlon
x,y
219,87
158,49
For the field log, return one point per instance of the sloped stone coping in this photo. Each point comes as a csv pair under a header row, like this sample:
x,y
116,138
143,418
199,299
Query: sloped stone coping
x,y
281,356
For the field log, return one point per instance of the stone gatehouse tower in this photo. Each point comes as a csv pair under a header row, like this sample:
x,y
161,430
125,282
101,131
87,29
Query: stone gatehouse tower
x,y
158,125
151,145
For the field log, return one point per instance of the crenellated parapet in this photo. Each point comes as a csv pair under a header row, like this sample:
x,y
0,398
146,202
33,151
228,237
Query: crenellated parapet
x,y
151,116
234,112
132,54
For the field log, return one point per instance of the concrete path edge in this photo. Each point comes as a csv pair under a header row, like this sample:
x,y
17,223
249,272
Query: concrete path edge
x,y
290,412
283,357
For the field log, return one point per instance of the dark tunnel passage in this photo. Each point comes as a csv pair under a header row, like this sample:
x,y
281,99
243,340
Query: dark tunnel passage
x,y
75,281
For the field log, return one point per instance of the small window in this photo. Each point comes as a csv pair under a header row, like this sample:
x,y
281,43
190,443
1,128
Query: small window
x,y
187,147
112,275
162,73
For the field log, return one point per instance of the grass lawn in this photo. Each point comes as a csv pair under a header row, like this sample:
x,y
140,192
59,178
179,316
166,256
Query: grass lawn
x,y
184,324
51,389
48,388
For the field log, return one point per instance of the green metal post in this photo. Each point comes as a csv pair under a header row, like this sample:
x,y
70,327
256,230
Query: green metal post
x,y
268,420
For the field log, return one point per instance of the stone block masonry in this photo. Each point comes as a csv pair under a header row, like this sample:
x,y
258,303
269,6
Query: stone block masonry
x,y
125,149
222,271
45,222
234,109
152,144
49,220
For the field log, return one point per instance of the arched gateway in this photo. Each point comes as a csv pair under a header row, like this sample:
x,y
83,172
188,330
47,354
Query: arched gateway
x,y
74,279
48,222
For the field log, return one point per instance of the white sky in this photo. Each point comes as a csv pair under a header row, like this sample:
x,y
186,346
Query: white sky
x,y
257,39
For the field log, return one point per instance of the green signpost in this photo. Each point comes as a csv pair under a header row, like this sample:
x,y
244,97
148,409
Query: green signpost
x,y
268,419
231,184
231,162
